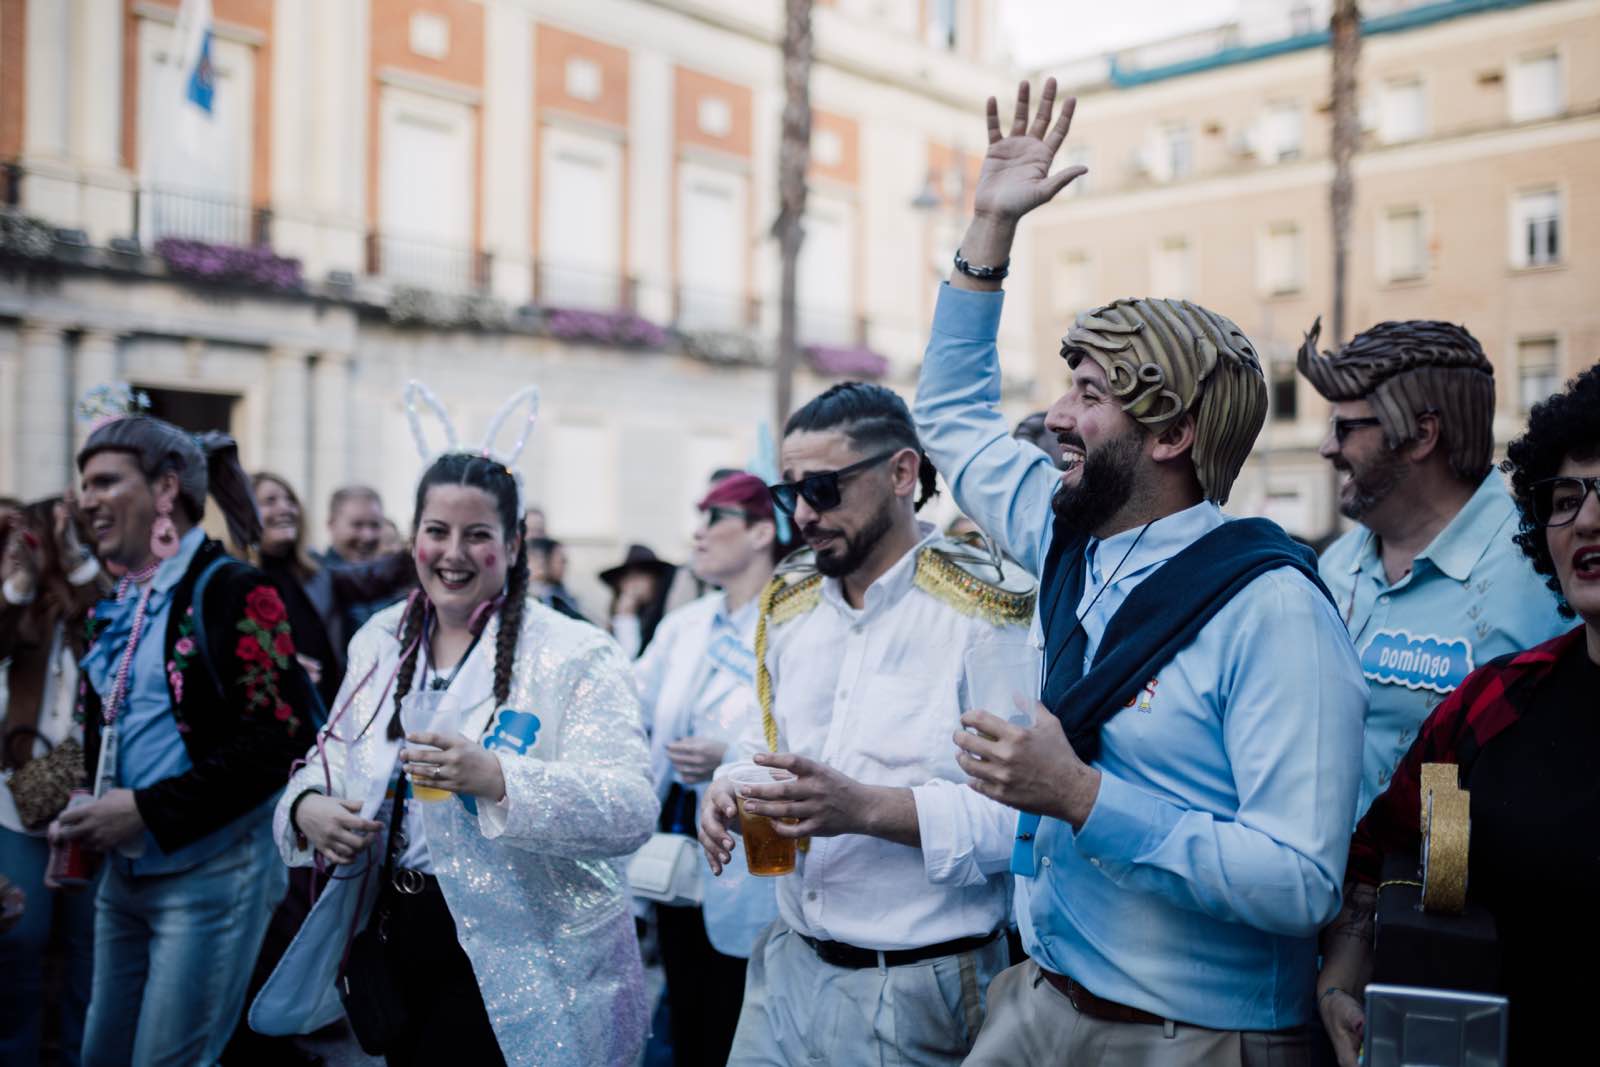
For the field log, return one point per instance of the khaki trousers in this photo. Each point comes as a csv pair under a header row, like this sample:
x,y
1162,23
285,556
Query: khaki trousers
x,y
801,1012
1029,1022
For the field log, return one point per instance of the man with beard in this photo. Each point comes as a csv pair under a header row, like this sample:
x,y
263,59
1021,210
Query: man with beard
x,y
1430,584
875,956
1186,786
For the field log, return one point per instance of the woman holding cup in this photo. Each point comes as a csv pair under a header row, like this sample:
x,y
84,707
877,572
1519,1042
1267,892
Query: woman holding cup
x,y
511,736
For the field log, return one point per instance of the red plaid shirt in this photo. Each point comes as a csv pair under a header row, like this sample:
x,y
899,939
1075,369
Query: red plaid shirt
x,y
1490,699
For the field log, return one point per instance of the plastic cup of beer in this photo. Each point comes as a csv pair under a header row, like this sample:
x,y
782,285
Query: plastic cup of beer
x,y
1002,678
425,712
765,853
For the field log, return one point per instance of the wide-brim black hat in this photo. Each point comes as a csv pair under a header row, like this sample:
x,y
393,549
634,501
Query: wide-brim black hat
x,y
638,558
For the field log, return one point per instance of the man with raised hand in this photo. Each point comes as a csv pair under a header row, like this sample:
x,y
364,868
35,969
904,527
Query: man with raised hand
x,y
1186,788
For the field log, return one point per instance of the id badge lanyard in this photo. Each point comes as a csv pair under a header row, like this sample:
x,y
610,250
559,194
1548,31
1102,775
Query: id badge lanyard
x,y
105,775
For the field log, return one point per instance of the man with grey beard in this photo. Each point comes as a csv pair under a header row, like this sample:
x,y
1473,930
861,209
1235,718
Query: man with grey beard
x,y
1430,583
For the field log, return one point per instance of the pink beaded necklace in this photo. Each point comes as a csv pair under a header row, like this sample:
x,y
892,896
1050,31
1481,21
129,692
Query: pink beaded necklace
x,y
119,687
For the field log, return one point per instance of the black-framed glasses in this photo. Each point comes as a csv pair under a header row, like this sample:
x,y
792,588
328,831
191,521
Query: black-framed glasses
x,y
1343,428
1557,501
820,490
716,513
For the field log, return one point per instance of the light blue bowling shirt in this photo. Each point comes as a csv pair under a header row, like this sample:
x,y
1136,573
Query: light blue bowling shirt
x,y
1471,596
1216,847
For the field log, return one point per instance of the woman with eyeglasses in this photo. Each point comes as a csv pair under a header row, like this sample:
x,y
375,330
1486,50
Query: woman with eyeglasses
x,y
1524,731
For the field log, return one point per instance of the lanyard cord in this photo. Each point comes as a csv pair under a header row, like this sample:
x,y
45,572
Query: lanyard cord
x,y
119,686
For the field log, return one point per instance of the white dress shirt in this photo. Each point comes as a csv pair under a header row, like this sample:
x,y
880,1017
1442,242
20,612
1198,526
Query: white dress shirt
x,y
876,694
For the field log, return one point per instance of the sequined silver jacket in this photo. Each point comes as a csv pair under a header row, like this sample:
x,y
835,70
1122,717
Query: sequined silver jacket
x,y
535,883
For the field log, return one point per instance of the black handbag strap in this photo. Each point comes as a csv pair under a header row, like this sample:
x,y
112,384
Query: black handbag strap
x,y
397,814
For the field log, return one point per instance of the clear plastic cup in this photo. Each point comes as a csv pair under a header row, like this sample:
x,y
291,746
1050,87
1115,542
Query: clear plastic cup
x,y
765,853
425,712
1003,678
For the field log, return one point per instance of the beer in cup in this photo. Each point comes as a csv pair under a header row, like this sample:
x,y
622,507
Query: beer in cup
x,y
1002,678
765,853
424,712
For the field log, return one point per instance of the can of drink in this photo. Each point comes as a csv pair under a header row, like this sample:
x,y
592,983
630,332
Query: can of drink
x,y
70,864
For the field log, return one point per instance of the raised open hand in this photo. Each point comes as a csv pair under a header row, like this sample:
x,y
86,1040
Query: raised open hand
x,y
1016,176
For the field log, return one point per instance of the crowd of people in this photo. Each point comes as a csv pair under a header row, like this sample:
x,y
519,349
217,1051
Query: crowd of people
x,y
1100,775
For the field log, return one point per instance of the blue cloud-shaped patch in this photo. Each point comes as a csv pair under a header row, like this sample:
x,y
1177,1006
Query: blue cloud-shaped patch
x,y
1428,661
514,731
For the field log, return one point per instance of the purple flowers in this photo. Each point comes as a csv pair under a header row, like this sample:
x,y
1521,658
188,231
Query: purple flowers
x,y
852,361
203,261
622,328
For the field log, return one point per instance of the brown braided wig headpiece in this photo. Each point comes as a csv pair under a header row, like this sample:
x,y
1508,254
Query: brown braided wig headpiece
x,y
1408,369
1167,358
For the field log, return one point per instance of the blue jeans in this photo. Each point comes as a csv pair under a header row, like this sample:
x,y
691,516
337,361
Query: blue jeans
x,y
173,955
23,859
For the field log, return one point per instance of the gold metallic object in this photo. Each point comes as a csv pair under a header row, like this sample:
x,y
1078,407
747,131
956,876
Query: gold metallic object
x,y
1446,837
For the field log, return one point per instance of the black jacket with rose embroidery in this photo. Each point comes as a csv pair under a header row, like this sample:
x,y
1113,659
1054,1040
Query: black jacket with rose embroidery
x,y
241,741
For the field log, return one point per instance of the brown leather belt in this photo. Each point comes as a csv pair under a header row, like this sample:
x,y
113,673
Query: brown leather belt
x,y
1098,1007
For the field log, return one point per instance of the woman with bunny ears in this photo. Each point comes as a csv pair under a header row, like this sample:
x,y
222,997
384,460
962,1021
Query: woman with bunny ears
x,y
508,737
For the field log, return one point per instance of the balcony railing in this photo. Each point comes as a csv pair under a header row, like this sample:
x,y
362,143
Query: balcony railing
x,y
566,285
696,309
106,209
199,216
429,264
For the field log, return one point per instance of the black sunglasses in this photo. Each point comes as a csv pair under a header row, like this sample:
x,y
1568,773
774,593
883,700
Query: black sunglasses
x,y
1557,501
820,490
715,514
1343,428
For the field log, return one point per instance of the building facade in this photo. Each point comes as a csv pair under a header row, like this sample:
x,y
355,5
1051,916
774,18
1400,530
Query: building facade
x,y
1477,188
477,194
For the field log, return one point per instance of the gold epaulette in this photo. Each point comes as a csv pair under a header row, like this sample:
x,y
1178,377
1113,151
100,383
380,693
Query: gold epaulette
x,y
970,575
795,589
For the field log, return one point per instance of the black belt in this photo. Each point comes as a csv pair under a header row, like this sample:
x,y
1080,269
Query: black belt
x,y
839,954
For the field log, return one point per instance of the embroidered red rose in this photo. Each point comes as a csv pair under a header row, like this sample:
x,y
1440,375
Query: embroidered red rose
x,y
264,607
250,650
283,645
282,711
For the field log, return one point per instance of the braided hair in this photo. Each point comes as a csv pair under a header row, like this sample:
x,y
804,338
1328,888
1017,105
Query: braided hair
x,y
873,418
492,477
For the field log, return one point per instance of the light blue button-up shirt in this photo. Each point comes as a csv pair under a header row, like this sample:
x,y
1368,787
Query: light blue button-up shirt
x,y
1216,846
1471,596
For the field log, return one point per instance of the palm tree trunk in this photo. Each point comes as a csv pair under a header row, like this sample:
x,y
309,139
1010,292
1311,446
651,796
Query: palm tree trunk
x,y
794,158
1346,29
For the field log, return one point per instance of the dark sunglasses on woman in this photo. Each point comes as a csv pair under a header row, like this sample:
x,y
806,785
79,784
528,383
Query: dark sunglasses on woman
x,y
820,490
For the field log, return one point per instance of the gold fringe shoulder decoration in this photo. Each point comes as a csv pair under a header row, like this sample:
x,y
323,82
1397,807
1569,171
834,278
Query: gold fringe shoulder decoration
x,y
795,589
971,576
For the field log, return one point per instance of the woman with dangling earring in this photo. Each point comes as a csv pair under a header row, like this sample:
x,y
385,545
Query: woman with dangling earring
x,y
481,782
193,710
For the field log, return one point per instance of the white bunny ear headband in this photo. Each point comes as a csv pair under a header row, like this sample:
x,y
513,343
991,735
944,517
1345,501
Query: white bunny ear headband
x,y
527,397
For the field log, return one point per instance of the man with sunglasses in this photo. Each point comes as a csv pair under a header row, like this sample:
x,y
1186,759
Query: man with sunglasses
x,y
860,659
697,691
1430,583
1179,804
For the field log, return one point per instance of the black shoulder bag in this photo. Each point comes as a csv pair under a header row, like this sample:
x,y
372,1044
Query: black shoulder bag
x,y
371,1001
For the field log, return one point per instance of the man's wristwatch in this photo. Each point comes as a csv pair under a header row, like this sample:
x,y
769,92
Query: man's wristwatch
x,y
987,274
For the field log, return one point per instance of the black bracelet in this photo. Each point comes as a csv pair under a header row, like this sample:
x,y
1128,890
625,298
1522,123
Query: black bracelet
x,y
987,274
295,807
